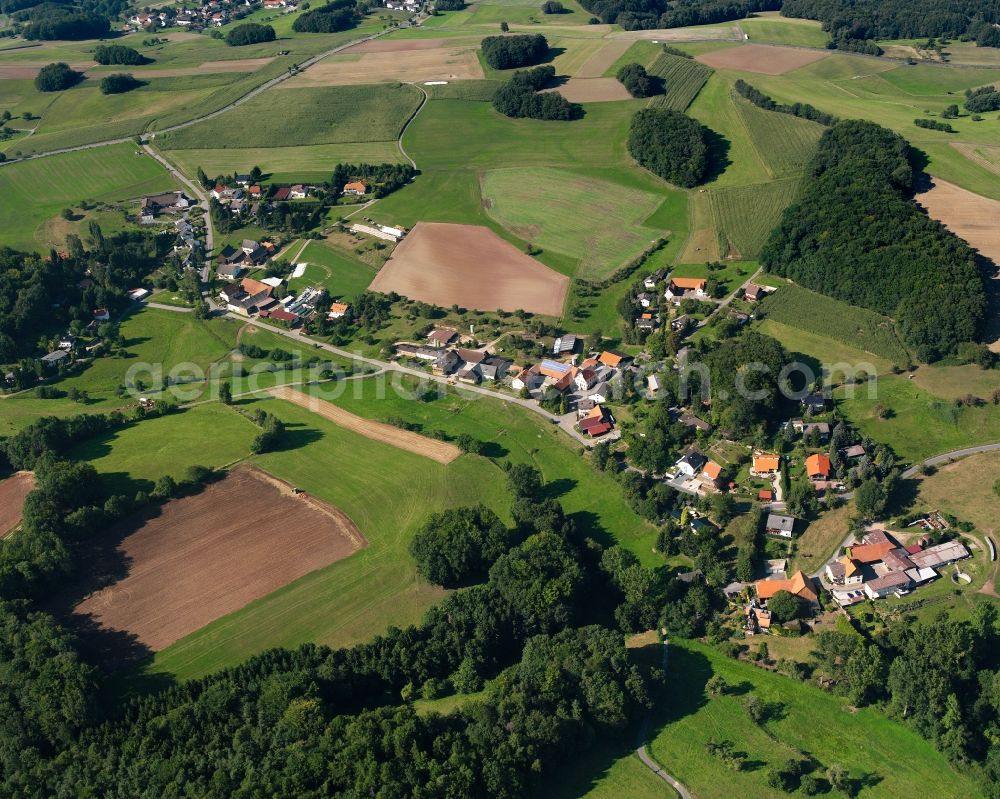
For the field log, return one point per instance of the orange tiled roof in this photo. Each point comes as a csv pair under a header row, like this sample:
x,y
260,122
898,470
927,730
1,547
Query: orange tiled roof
x,y
712,470
610,358
818,465
766,463
798,584
688,282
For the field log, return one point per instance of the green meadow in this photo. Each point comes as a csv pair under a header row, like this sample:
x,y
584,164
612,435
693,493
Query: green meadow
x,y
35,191
340,274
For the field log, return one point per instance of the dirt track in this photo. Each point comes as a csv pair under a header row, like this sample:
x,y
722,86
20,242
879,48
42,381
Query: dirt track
x,y
598,63
455,62
440,451
13,490
761,58
471,266
210,554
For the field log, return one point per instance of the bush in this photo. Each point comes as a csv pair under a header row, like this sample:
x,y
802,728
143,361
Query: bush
x,y
339,15
250,33
669,144
118,54
784,606
508,52
933,124
56,77
119,84
638,82
553,7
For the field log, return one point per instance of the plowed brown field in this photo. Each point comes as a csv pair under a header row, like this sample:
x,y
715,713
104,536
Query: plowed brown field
x,y
13,490
762,58
210,554
471,266
440,451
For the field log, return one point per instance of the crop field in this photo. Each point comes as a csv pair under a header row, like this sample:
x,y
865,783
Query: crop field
x,y
34,191
744,216
439,451
848,324
455,61
472,267
703,242
307,163
761,58
984,155
784,142
13,490
640,52
199,559
340,274
601,63
896,760
965,214
683,78
304,116
770,26
594,220
592,90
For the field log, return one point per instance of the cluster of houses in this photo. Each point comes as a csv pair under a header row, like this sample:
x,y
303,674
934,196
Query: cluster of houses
x,y
469,366
153,207
210,14
232,262
879,566
757,616
412,6
251,297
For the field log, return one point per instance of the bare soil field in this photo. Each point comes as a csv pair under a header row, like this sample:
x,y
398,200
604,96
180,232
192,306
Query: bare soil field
x,y
592,90
210,554
236,65
399,45
13,490
598,63
440,451
700,34
28,70
761,58
455,62
471,266
970,216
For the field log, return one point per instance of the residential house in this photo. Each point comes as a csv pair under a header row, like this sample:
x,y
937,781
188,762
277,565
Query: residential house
x,y
249,246
690,420
807,428
54,358
815,403
854,451
650,281
765,464
712,472
101,315
818,467
844,571
765,495
467,374
229,271
281,194
681,323
297,192
338,310
681,287
529,378
691,464
798,585
646,322
779,525
646,300
653,383
584,379
597,423
445,363
441,337
355,187
753,292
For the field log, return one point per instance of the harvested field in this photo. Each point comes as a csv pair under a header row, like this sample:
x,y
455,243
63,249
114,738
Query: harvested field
x,y
454,62
760,58
29,70
236,65
598,63
399,45
967,215
986,156
592,90
210,554
440,451
13,490
701,33
471,266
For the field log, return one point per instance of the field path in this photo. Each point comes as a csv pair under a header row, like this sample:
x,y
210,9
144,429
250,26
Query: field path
x,y
406,124
440,451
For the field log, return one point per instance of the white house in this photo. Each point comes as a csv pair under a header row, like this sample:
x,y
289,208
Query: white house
x,y
691,464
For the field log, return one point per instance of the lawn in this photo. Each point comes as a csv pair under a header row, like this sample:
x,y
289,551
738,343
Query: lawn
x,y
744,216
294,117
157,342
889,759
856,328
683,78
343,276
596,221
35,191
307,163
822,538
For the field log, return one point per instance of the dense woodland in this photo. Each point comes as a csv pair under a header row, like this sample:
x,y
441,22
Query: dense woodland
x,y
508,52
337,15
639,82
856,234
521,97
648,14
670,144
896,19
89,19
118,54
249,33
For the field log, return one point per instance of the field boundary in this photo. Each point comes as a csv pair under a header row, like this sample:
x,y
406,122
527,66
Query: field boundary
x,y
440,451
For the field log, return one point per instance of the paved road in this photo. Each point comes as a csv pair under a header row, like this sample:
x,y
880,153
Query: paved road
x,y
196,191
947,457
648,761
564,422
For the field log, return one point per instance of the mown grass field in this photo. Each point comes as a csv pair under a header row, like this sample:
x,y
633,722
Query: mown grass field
x,y
35,191
596,221
343,276
744,216
770,26
893,760
683,78
965,490
854,327
785,143
387,493
308,163
290,117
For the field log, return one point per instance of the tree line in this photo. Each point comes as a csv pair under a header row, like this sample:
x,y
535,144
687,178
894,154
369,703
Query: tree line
x,y
648,14
856,234
335,16
802,110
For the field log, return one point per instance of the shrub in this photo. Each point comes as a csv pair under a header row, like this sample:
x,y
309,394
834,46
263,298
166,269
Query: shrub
x,y
250,33
508,52
638,82
669,144
553,7
119,84
56,77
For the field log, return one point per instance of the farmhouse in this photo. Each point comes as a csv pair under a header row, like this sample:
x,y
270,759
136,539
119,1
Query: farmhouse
x,y
611,358
680,287
780,525
597,423
940,555
355,187
441,337
891,583
844,571
798,585
338,310
870,553
528,378
754,292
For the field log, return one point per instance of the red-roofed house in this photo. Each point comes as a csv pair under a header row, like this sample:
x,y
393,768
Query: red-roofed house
x,y
818,467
